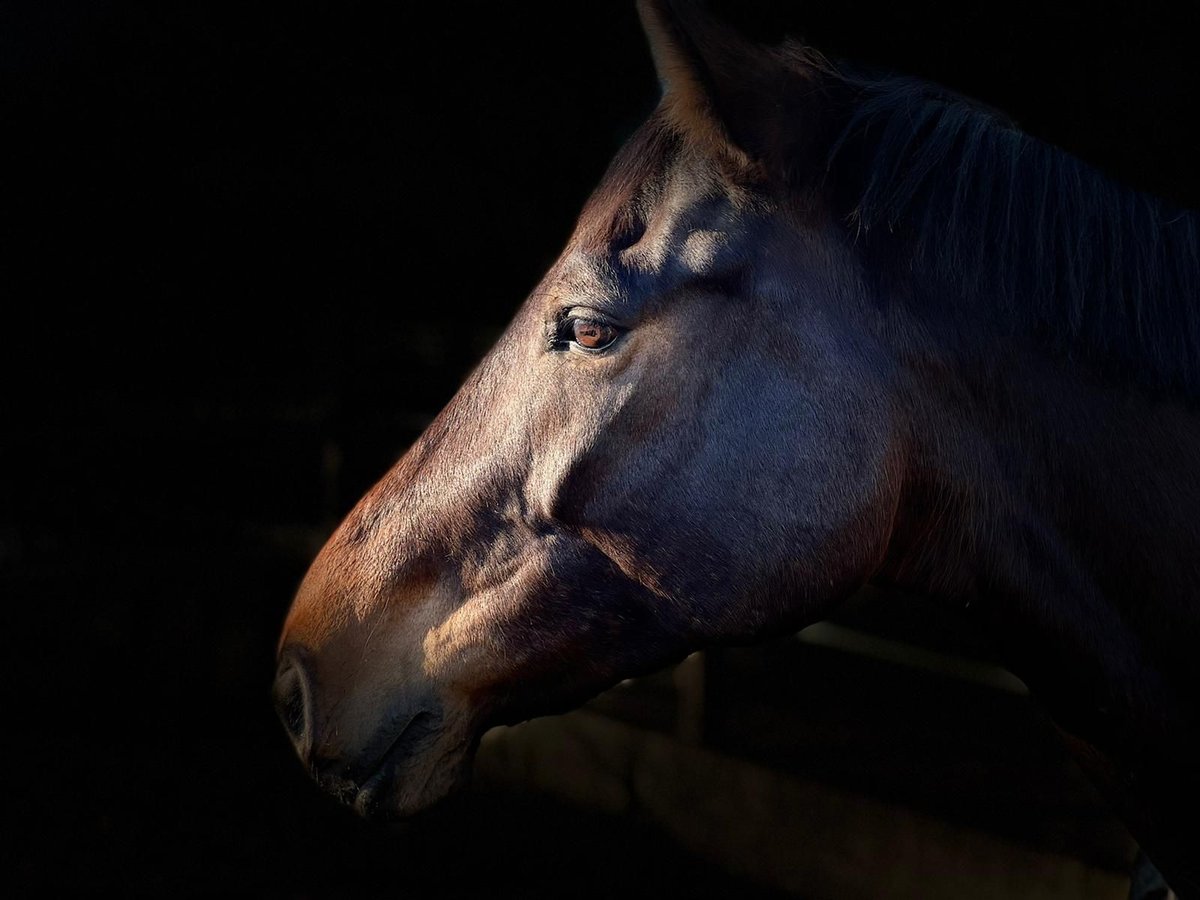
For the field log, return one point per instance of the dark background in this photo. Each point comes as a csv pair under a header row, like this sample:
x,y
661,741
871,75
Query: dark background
x,y
248,251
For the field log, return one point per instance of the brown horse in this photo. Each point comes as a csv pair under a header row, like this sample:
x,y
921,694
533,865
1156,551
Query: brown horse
x,y
814,329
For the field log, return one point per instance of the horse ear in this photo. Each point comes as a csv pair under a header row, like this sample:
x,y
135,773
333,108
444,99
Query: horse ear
x,y
723,89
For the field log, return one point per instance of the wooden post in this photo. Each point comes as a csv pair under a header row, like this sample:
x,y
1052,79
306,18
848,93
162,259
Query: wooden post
x,y
689,686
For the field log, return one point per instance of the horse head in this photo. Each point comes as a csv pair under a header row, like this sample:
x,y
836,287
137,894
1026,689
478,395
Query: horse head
x,y
683,438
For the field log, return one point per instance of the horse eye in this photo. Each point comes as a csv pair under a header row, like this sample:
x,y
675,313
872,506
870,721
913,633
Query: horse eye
x,y
592,335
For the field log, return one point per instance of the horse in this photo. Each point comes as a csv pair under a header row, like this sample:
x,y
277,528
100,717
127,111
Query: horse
x,y
817,327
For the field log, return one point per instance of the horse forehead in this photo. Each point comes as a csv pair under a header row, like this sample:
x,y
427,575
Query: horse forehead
x,y
683,241
622,278
693,219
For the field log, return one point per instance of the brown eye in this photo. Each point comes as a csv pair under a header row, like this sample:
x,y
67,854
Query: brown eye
x,y
592,335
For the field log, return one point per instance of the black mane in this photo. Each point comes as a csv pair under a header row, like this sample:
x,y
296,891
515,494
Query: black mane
x,y
1104,271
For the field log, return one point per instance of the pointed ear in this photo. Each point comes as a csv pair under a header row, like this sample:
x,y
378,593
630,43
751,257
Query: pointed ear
x,y
743,99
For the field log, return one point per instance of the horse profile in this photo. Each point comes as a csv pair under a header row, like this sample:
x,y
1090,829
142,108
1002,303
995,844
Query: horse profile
x,y
814,329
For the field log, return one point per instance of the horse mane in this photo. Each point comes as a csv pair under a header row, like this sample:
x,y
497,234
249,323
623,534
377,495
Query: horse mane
x,y
1101,270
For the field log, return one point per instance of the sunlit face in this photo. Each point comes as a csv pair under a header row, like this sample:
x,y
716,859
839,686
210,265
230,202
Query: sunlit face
x,y
677,441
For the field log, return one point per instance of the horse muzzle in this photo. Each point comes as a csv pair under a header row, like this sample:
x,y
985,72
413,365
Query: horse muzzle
x,y
400,769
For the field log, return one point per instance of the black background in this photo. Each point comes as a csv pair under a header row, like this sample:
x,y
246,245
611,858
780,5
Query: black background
x,y
248,250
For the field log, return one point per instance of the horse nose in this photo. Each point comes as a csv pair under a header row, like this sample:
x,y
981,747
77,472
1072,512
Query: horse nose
x,y
293,703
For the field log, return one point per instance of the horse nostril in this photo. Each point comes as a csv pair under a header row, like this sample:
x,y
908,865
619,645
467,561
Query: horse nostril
x,y
291,702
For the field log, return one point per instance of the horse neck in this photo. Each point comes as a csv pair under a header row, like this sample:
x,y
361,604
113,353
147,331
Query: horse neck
x,y
1061,510
1062,507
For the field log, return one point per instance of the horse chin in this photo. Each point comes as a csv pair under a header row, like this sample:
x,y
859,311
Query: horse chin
x,y
414,777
